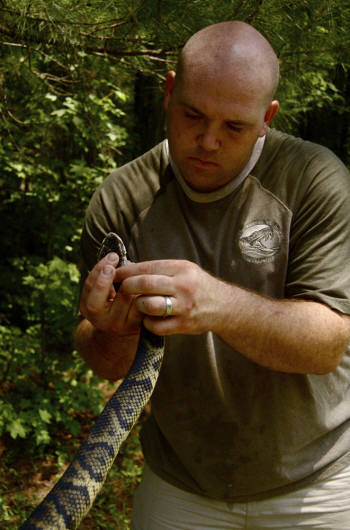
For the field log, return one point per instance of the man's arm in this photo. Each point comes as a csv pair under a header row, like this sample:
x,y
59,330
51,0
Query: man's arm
x,y
298,336
109,355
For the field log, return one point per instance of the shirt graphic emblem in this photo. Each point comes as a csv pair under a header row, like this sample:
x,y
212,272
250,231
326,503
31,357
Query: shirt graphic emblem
x,y
260,241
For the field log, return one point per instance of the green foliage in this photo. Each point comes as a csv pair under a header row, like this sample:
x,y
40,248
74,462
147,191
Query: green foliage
x,y
54,151
308,35
43,384
8,511
73,50
64,122
58,141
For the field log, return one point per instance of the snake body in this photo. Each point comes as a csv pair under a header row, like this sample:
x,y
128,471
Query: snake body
x,y
73,495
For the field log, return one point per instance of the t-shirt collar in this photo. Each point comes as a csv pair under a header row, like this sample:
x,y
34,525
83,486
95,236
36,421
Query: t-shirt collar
x,y
215,195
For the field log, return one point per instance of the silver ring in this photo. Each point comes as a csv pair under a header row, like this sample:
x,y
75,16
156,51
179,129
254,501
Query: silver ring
x,y
168,307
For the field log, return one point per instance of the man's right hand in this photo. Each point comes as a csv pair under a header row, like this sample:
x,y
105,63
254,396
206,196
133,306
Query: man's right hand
x,y
108,336
103,307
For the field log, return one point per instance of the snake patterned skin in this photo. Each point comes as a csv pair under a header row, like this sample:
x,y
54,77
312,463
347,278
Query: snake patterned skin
x,y
72,497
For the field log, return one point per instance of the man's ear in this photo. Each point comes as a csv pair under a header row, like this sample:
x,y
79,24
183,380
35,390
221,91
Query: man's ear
x,y
269,116
169,87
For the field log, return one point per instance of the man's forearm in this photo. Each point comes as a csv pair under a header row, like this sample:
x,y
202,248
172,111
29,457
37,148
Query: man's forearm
x,y
297,336
108,354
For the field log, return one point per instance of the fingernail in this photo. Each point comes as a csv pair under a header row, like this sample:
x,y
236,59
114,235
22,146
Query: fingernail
x,y
108,271
112,256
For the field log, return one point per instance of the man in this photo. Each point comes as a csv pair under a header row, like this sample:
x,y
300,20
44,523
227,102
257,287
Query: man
x,y
241,239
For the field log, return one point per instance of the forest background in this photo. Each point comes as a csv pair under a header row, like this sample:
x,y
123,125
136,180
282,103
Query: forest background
x,y
80,94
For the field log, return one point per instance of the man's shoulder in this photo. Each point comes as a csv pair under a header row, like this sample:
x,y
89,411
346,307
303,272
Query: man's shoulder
x,y
280,144
134,185
297,170
123,196
150,166
290,157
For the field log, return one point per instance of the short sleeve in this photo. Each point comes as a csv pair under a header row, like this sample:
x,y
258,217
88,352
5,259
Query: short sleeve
x,y
319,255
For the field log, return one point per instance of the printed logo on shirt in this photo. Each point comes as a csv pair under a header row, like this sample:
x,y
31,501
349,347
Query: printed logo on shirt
x,y
260,241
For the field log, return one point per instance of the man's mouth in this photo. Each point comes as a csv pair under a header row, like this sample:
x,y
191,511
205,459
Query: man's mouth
x,y
199,162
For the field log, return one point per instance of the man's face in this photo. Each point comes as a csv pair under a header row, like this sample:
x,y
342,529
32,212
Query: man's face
x,y
212,128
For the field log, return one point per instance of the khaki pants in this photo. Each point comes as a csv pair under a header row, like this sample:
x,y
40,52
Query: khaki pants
x,y
160,506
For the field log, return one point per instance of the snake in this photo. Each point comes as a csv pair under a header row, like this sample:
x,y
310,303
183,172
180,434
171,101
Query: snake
x,y
71,498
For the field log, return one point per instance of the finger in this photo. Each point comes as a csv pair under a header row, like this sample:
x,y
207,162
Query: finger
x,y
161,326
124,313
112,294
154,284
156,305
98,291
167,267
111,259
135,316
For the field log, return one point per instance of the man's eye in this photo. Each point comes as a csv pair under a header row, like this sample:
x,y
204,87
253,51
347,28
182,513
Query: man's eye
x,y
234,128
192,116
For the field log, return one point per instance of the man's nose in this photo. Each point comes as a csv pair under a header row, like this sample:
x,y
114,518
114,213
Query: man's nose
x,y
208,138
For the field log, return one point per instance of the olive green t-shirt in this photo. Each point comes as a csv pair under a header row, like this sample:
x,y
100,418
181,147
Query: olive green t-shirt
x,y
221,425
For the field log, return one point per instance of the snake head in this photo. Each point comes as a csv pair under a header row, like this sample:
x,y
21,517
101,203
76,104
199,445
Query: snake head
x,y
113,243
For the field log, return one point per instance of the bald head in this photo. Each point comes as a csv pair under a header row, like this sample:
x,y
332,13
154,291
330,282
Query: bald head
x,y
232,49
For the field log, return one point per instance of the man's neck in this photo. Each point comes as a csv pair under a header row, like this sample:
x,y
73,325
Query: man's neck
x,y
215,195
